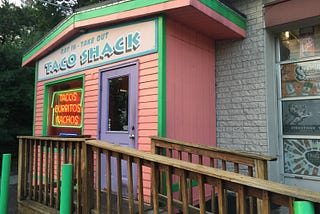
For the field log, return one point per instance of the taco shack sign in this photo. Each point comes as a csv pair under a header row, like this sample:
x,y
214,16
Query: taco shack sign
x,y
99,48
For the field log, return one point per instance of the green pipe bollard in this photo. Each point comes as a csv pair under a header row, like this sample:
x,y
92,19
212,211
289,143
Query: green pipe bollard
x,y
66,189
5,181
303,207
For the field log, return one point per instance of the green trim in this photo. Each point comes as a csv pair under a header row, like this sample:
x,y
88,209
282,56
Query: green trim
x,y
226,12
46,100
126,6
117,8
50,36
90,14
162,78
35,97
175,187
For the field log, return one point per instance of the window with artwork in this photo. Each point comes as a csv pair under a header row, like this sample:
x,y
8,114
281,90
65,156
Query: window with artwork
x,y
299,74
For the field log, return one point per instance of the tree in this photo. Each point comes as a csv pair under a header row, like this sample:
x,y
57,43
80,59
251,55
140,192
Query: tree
x,y
20,28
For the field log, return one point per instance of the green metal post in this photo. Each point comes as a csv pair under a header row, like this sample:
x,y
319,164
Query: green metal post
x,y
5,179
66,189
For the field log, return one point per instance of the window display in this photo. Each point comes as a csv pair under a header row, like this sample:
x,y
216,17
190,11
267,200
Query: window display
x,y
65,108
302,156
300,100
300,43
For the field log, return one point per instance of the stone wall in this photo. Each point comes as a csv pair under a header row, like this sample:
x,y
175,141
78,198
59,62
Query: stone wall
x,y
241,85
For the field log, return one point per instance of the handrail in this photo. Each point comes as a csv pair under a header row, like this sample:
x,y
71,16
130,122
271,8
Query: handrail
x,y
161,142
241,162
89,196
265,190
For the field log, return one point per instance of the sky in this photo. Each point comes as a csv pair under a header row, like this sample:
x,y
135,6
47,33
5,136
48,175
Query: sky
x,y
16,2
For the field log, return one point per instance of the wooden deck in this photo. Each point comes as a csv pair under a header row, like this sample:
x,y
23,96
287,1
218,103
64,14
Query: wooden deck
x,y
200,188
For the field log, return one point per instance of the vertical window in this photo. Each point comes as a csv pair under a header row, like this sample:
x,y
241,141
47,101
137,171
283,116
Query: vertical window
x,y
65,110
300,100
118,104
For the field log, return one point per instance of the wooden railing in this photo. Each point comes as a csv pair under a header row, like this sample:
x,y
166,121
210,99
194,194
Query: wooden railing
x,y
253,165
39,169
222,181
116,195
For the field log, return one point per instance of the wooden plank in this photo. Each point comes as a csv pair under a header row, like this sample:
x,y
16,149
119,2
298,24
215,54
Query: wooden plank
x,y
213,191
221,198
202,201
27,153
35,172
140,186
250,198
262,173
109,181
241,200
78,176
51,182
179,182
46,173
169,189
87,178
189,183
187,146
21,170
265,208
212,172
291,208
130,185
41,165
58,173
98,180
154,187
184,191
119,183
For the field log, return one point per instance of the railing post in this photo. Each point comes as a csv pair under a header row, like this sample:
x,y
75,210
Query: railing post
x,y
21,170
262,173
87,178
5,179
66,189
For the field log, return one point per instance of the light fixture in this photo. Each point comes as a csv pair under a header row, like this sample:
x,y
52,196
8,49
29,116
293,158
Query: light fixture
x,y
287,34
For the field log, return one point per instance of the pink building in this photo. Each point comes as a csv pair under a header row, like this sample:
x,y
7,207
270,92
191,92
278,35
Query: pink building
x,y
126,71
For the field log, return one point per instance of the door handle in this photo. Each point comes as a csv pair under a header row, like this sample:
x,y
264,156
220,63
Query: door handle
x,y
131,136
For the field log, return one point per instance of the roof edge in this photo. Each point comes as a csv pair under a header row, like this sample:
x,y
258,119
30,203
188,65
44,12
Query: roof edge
x,y
69,25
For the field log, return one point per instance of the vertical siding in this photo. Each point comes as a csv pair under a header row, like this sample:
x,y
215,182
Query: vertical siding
x,y
190,86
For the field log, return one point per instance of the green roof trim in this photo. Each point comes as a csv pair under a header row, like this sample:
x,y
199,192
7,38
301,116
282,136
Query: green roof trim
x,y
215,5
226,12
51,35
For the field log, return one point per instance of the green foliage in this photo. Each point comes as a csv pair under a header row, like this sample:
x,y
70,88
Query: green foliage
x,y
20,28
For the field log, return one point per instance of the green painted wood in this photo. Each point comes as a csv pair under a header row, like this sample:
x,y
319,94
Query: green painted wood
x,y
66,189
162,78
5,181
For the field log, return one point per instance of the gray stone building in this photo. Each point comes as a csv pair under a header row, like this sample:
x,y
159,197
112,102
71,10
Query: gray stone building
x,y
267,88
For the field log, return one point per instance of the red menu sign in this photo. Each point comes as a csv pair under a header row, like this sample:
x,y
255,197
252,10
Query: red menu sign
x,y
67,108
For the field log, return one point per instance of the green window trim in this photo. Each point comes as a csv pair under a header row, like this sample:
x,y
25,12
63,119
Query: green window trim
x,y
46,104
